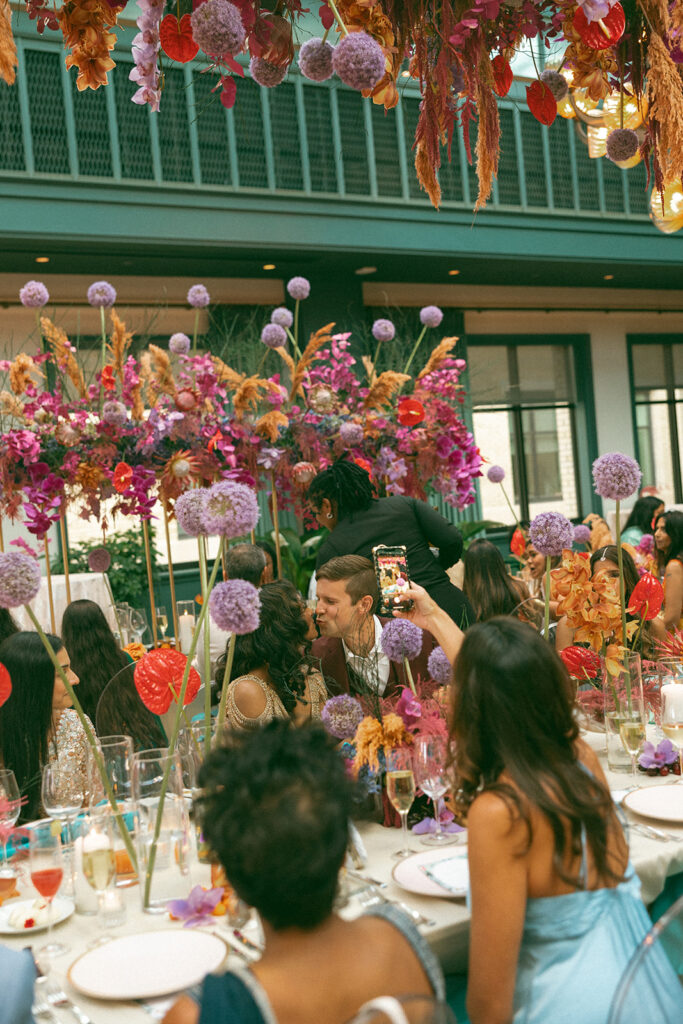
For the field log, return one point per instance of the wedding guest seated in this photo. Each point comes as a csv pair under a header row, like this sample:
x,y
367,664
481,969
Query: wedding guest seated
x,y
490,587
669,545
106,689
351,658
273,673
275,812
642,519
271,558
534,574
17,978
37,723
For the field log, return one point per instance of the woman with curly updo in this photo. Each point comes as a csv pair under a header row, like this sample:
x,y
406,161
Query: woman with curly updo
x,y
274,675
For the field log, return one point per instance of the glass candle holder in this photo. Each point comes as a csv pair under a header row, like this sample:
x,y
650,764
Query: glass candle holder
x,y
186,623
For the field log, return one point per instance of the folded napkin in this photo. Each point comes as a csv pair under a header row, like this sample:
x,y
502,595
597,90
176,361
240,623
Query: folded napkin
x,y
452,873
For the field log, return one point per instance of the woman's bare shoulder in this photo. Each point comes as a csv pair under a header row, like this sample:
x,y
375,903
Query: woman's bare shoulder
x,y
250,695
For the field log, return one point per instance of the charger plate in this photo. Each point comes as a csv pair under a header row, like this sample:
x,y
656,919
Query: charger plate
x,y
410,874
662,803
147,965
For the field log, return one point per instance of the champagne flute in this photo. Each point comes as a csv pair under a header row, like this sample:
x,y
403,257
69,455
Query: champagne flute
x,y
632,733
429,766
162,620
63,797
99,858
401,792
10,806
672,715
47,870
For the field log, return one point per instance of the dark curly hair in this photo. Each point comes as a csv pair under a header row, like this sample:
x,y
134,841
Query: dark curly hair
x,y
673,525
346,485
275,810
512,715
279,642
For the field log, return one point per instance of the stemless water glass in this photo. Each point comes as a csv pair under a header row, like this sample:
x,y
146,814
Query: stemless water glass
x,y
10,807
429,765
401,792
47,870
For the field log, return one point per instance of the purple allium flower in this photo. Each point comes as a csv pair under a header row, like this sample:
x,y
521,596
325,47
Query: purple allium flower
x,y
299,288
235,606
266,74
621,144
342,715
315,60
440,668
351,434
189,511
383,330
101,295
34,294
431,316
230,509
19,579
616,476
401,639
99,560
179,344
550,533
496,474
274,336
582,534
198,908
114,413
198,297
218,30
282,316
359,61
556,82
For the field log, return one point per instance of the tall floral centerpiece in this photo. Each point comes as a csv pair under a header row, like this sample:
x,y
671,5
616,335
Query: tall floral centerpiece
x,y
550,533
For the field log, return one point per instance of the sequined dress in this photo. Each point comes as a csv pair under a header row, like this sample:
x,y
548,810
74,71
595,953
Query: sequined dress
x,y
69,750
316,695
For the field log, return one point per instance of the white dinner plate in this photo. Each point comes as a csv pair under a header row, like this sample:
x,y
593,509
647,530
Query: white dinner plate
x,y
147,965
663,803
409,874
61,909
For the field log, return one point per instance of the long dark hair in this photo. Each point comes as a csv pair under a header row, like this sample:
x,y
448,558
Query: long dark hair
x,y
610,554
279,642
642,513
346,485
26,718
8,626
488,584
107,689
673,524
512,715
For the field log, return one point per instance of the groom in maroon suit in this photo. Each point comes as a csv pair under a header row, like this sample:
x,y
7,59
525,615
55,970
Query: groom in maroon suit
x,y
351,658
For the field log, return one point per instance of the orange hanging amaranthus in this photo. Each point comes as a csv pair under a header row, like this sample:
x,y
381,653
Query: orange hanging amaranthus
x,y
85,27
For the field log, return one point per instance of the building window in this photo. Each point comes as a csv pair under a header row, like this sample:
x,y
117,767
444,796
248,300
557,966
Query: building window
x,y
657,380
523,412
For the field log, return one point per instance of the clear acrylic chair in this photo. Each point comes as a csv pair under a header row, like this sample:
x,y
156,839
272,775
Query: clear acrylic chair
x,y
404,1010
651,988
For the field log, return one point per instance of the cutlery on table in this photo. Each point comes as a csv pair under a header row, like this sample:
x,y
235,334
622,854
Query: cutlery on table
x,y
650,833
58,997
372,897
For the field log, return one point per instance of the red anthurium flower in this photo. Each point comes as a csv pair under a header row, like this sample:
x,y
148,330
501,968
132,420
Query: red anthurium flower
x,y
159,676
518,543
108,382
580,662
647,597
176,38
604,32
410,412
5,685
123,474
502,75
541,102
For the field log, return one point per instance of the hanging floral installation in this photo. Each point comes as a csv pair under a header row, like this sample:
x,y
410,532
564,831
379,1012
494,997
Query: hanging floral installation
x,y
626,56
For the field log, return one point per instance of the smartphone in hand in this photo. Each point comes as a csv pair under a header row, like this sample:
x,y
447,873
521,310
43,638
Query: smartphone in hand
x,y
393,578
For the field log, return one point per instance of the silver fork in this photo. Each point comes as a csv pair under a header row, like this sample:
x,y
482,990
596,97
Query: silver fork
x,y
43,1009
58,997
373,897
650,833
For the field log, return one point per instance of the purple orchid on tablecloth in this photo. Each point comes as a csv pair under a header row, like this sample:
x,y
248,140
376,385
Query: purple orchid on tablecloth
x,y
656,757
446,817
197,908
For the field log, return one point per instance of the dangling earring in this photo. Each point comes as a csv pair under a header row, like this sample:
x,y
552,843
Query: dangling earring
x,y
330,515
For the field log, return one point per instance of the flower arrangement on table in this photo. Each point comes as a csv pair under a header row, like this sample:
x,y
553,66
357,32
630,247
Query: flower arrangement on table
x,y
660,760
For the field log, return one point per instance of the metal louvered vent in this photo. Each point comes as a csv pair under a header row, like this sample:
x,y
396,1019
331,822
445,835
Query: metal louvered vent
x,y
46,108
91,125
211,122
135,147
11,141
251,148
321,155
353,142
173,123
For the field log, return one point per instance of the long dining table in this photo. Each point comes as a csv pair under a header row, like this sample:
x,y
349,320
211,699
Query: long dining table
x,y
653,859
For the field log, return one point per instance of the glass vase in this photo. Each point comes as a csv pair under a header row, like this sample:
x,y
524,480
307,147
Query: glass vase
x,y
622,688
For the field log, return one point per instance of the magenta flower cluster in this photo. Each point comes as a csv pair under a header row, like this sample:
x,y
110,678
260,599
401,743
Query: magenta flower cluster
x,y
616,476
19,579
440,668
179,344
550,533
217,28
299,288
198,297
145,49
34,294
282,316
266,74
101,295
401,639
431,316
235,606
383,330
359,60
496,474
274,336
99,560
230,509
315,60
342,715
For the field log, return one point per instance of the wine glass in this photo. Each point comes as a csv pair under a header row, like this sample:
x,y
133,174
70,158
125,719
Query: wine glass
x,y
99,857
429,767
138,624
401,792
47,870
63,795
672,715
10,806
162,620
632,733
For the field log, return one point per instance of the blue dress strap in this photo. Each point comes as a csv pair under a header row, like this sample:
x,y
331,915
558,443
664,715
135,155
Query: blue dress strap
x,y
420,947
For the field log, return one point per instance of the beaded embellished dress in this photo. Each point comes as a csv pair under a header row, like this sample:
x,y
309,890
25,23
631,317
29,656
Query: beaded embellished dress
x,y
69,750
316,695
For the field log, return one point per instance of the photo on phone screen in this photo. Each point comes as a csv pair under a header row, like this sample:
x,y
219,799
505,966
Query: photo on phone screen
x,y
393,578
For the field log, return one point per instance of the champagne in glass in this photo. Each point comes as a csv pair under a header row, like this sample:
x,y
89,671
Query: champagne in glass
x,y
47,869
632,733
99,858
401,792
162,620
430,761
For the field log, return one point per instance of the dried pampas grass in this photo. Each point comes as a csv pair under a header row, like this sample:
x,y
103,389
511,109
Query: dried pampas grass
x,y
8,48
163,381
63,353
384,389
270,423
11,406
665,96
120,343
317,340
20,373
437,356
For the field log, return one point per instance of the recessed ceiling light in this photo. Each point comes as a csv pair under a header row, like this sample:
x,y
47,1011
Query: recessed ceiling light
x,y
269,266
608,277
42,259
366,270
453,273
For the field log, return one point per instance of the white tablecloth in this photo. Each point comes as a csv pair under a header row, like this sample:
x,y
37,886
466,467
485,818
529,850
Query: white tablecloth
x,y
88,585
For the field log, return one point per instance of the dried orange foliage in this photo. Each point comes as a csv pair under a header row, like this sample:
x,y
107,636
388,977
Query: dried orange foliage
x,y
8,48
120,343
488,134
63,353
591,68
665,96
226,375
426,174
373,735
20,373
162,380
270,423
286,359
249,393
437,356
11,406
384,388
317,340
85,25
368,16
